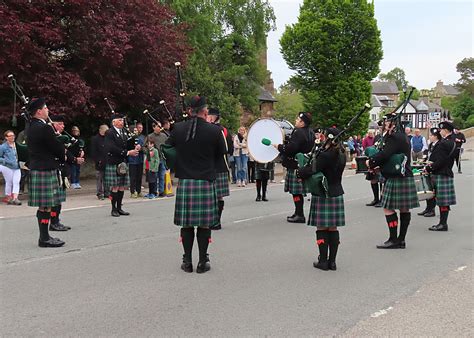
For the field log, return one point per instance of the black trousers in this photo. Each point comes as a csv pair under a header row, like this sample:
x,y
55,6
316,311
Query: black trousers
x,y
135,173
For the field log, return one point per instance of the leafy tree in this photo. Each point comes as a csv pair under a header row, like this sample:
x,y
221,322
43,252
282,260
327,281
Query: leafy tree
x,y
335,49
466,69
397,75
463,106
78,52
290,103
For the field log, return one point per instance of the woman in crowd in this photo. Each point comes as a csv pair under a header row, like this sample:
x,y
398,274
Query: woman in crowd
x,y
10,168
241,156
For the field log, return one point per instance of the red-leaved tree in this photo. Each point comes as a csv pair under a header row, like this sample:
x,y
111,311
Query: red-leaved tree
x,y
77,52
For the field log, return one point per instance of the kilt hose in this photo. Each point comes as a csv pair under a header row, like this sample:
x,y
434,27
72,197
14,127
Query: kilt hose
x,y
45,189
113,180
196,204
292,185
327,212
400,193
222,184
444,190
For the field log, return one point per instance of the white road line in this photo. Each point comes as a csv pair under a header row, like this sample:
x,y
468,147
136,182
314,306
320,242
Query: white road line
x,y
461,268
381,312
260,217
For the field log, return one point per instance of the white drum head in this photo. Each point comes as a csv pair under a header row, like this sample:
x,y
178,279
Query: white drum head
x,y
260,129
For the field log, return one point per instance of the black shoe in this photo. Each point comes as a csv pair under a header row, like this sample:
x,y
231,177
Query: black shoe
x,y
296,219
423,212
321,265
403,245
378,205
123,213
264,199
187,266
389,245
258,199
69,228
161,194
288,217
430,214
439,227
373,203
216,227
115,213
203,267
57,227
332,266
459,172
51,243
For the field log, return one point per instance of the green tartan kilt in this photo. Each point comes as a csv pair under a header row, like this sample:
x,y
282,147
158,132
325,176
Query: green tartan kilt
x,y
112,180
222,184
44,189
292,185
444,190
327,212
400,193
196,203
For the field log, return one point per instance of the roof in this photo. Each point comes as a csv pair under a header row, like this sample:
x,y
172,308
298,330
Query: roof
x,y
451,90
384,88
266,96
424,104
375,102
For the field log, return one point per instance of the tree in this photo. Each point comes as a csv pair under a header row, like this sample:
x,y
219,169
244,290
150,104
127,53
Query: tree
x,y
78,52
396,75
290,103
463,106
466,69
335,49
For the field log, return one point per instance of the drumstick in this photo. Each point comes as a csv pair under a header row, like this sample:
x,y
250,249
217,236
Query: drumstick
x,y
266,141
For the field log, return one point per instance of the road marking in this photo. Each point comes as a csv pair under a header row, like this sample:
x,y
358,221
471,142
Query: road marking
x,y
260,217
381,312
86,207
461,268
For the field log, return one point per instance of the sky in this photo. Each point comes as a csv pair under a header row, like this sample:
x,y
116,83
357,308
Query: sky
x,y
425,38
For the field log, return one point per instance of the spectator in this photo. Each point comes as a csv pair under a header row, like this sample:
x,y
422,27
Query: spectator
x,y
25,172
351,146
135,164
459,138
251,169
357,145
241,156
159,138
77,152
369,140
98,154
408,133
10,168
232,168
418,145
150,167
165,123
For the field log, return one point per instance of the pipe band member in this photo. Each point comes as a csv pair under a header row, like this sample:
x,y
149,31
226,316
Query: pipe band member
x,y
441,161
44,151
199,146
399,192
301,141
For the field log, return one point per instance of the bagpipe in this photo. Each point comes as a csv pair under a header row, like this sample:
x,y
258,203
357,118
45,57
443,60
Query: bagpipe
x,y
181,111
313,181
131,138
163,108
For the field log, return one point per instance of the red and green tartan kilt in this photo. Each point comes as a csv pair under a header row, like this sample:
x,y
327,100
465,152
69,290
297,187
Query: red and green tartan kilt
x,y
400,193
44,189
292,185
327,212
222,184
444,190
196,203
113,180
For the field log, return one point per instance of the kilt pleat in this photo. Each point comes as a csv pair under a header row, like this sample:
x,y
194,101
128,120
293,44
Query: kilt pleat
x,y
292,185
196,203
44,189
444,190
222,184
113,180
327,212
400,193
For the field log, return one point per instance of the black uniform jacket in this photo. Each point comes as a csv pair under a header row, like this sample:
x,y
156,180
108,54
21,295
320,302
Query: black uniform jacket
x,y
301,141
115,147
332,163
98,152
44,149
395,143
197,157
442,155
221,164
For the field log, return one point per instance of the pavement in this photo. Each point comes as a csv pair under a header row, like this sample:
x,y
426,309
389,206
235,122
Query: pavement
x,y
121,276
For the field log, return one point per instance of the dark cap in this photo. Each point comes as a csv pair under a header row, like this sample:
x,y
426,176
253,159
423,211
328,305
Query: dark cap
x,y
57,118
446,125
435,132
306,117
115,116
214,112
332,132
197,103
318,130
36,104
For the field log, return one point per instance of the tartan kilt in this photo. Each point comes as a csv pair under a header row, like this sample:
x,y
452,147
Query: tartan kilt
x,y
327,212
400,193
292,185
112,180
444,190
44,189
196,203
222,184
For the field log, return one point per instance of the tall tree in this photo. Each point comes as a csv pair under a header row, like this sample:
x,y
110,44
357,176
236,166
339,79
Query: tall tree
x,y
466,69
289,104
335,49
396,75
78,52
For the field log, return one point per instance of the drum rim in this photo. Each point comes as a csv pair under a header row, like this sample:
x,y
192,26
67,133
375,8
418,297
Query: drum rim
x,y
256,121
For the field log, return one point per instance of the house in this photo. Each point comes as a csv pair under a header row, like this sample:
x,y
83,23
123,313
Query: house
x,y
441,90
423,113
385,88
266,100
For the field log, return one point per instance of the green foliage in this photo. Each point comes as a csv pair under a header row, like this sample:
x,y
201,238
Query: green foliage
x,y
464,110
397,75
227,37
462,107
466,69
290,103
335,49
448,102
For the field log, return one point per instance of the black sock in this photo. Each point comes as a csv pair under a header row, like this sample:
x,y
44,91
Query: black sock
x,y
203,238
333,245
405,218
431,204
298,199
443,217
258,184
187,239
220,208
43,224
264,188
55,214
322,240
120,194
113,200
375,191
392,222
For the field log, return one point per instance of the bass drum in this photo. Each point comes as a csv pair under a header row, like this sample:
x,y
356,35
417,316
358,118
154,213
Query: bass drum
x,y
268,129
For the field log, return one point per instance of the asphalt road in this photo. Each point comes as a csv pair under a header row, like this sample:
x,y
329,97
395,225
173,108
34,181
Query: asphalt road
x,y
122,277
